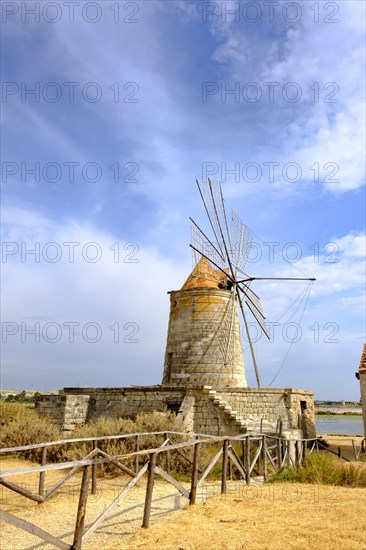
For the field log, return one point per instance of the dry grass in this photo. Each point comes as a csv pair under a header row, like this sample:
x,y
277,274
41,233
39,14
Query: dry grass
x,y
268,517
279,516
21,425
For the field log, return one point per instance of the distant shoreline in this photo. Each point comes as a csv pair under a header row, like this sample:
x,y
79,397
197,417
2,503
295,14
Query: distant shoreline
x,y
329,409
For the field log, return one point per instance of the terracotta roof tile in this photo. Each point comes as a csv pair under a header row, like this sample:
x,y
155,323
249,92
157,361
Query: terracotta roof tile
x,y
204,276
362,367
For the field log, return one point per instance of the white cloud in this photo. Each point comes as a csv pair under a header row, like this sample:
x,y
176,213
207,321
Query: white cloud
x,y
326,61
105,292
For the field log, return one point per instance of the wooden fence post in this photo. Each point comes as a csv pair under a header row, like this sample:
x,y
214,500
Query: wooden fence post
x,y
94,472
280,428
230,465
149,491
80,518
167,455
247,460
224,465
195,468
354,449
288,448
42,475
137,448
304,451
264,451
279,455
297,454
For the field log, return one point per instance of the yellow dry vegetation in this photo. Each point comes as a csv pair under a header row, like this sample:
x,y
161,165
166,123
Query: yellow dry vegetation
x,y
268,517
273,516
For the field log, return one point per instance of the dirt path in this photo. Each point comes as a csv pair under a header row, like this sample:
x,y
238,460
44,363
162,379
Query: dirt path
x,y
57,515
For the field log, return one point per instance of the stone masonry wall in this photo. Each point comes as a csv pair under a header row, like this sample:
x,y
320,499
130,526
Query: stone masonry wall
x,y
199,350
77,406
294,407
128,402
211,420
52,405
80,405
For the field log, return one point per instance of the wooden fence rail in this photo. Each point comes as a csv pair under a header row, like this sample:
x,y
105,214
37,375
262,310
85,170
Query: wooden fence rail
x,y
249,455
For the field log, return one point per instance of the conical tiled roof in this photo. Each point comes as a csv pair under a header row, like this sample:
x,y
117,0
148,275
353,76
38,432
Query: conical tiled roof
x,y
204,276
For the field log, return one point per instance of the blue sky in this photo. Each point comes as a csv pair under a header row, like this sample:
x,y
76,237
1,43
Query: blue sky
x,y
127,112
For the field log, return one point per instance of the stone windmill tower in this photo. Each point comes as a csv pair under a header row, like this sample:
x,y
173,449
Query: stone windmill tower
x,y
204,344
204,339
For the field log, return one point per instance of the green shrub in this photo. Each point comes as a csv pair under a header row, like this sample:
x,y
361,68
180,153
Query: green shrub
x,y
323,468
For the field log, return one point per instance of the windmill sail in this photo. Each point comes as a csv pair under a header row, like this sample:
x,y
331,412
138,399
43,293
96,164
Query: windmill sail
x,y
254,304
241,242
228,254
202,246
215,209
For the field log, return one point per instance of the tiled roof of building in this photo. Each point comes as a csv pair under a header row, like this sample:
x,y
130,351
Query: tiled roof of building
x,y
362,367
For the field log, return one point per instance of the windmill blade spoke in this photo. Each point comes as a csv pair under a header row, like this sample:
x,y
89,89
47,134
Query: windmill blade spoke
x,y
254,304
202,243
215,209
202,247
206,197
224,216
249,339
253,298
241,241
258,318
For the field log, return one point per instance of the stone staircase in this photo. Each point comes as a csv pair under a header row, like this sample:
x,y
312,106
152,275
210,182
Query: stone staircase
x,y
248,424
225,408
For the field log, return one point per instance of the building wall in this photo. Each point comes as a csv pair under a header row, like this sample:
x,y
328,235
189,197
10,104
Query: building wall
x,y
204,344
210,420
295,408
362,376
52,405
77,406
253,403
80,405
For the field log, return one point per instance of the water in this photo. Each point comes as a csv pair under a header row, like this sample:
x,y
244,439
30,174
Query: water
x,y
347,424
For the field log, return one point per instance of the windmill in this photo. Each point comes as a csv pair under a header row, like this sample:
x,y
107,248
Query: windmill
x,y
228,251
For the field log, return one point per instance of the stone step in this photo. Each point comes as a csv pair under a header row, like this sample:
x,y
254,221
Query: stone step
x,y
225,407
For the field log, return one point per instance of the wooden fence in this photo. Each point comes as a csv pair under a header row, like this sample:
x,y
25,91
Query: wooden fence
x,y
248,455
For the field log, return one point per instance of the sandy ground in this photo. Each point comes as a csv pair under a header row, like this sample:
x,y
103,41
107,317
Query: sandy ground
x,y
57,515
266,517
